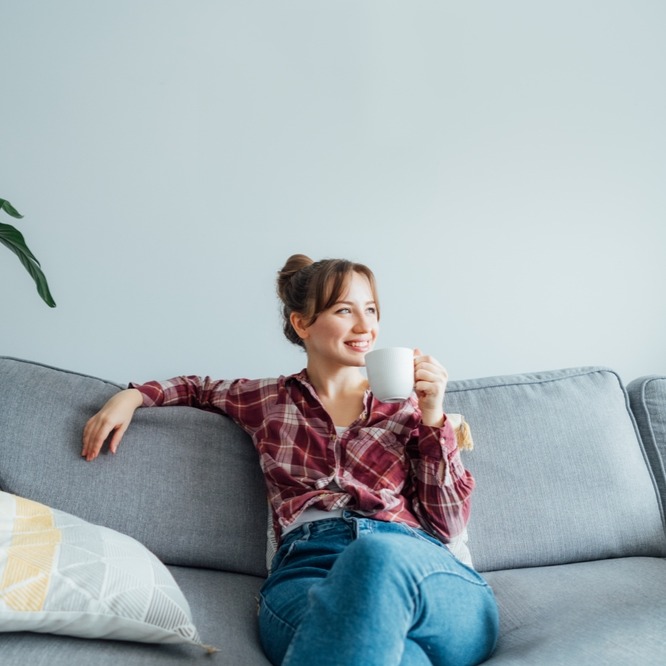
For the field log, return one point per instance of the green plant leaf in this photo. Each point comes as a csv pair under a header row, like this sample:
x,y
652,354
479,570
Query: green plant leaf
x,y
9,209
13,239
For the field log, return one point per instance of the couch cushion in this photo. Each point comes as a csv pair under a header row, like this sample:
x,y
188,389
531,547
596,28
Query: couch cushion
x,y
224,606
561,474
610,612
185,483
647,396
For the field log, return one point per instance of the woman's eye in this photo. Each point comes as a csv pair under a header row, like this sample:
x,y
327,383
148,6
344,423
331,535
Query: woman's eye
x,y
343,311
372,310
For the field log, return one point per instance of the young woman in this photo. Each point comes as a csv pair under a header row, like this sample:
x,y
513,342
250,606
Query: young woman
x,y
365,494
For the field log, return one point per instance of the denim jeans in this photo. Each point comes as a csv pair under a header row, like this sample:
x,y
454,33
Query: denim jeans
x,y
354,591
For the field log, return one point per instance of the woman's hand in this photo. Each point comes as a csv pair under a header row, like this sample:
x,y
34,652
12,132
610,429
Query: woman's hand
x,y
430,379
115,417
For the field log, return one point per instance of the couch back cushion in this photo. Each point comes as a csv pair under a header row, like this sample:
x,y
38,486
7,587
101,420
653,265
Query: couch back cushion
x,y
185,483
561,474
647,396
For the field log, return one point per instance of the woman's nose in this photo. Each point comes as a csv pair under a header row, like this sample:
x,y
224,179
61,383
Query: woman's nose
x,y
362,324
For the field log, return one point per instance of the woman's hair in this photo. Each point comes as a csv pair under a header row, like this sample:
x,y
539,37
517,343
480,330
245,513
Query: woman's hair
x,y
309,287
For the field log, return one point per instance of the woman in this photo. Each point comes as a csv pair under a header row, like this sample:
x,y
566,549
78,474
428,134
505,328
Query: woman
x,y
364,494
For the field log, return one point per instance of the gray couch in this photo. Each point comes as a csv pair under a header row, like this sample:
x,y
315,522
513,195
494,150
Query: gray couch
x,y
567,520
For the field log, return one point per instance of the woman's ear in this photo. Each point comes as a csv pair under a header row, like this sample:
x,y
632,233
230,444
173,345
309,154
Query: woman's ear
x,y
298,325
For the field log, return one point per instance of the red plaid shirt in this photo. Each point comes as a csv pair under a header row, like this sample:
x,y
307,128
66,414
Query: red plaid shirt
x,y
387,464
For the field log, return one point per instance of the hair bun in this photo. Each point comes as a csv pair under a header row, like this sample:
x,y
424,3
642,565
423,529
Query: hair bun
x,y
294,264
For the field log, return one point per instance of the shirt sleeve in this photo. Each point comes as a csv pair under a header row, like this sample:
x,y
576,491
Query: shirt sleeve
x,y
441,486
242,400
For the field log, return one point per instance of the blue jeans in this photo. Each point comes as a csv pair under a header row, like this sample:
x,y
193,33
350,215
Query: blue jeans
x,y
352,590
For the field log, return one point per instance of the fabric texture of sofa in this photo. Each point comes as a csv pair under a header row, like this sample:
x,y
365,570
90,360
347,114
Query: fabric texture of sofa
x,y
567,519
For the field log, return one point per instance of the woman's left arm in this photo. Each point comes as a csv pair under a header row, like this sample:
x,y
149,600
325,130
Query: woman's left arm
x,y
441,486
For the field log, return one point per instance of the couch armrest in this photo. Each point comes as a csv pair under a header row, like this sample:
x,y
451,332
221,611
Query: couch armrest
x,y
647,397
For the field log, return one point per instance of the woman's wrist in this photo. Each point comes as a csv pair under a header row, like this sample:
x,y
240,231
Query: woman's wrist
x,y
132,397
433,418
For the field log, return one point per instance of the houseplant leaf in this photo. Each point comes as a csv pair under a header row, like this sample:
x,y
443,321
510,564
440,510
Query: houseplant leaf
x,y
13,239
9,209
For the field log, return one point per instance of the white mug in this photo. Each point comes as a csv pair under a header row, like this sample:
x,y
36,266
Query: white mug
x,y
391,373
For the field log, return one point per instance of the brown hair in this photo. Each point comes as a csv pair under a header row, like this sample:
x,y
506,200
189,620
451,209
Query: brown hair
x,y
308,288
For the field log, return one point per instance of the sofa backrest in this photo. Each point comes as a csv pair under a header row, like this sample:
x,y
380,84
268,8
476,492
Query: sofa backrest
x,y
561,473
186,483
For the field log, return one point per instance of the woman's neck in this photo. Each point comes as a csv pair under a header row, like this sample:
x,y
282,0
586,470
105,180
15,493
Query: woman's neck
x,y
337,385
342,395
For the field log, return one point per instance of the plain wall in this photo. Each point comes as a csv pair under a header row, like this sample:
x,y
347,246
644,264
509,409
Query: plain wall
x,y
500,165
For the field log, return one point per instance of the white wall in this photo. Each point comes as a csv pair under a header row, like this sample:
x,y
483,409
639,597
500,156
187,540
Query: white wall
x,y
500,165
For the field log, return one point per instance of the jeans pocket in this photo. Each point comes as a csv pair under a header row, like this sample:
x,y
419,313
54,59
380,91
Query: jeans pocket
x,y
299,536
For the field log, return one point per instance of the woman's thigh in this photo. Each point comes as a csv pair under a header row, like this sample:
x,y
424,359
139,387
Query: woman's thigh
x,y
301,563
336,561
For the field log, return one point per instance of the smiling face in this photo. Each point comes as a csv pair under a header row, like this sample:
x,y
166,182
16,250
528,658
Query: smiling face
x,y
342,334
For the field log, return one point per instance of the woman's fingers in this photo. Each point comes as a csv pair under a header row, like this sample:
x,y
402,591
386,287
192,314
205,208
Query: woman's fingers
x,y
430,379
115,418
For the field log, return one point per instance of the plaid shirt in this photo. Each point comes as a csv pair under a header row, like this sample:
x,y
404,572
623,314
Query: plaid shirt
x,y
387,464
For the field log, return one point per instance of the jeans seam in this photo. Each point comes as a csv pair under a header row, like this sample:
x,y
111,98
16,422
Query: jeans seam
x,y
416,533
479,583
274,615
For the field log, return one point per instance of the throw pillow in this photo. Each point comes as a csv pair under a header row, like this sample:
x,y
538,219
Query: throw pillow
x,y
62,575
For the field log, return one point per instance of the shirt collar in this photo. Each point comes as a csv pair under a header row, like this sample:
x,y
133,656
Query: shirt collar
x,y
303,379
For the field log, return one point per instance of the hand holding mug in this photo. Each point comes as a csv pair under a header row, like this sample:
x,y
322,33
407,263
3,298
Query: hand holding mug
x,y
430,379
394,372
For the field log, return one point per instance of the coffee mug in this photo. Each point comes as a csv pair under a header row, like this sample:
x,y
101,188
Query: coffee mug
x,y
391,373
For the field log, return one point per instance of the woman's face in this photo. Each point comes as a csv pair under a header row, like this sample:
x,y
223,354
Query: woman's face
x,y
343,334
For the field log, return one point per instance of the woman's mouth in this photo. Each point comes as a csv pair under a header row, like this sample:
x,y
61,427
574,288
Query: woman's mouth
x,y
359,345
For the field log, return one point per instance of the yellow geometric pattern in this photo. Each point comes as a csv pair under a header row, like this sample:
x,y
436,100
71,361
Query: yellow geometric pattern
x,y
30,557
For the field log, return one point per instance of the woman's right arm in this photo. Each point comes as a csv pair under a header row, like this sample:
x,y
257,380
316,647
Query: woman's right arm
x,y
116,415
243,400
115,418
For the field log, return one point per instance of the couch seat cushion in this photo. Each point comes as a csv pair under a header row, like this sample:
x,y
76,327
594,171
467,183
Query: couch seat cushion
x,y
610,612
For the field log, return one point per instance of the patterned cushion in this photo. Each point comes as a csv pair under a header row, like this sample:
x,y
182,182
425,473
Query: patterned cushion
x,y
62,575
